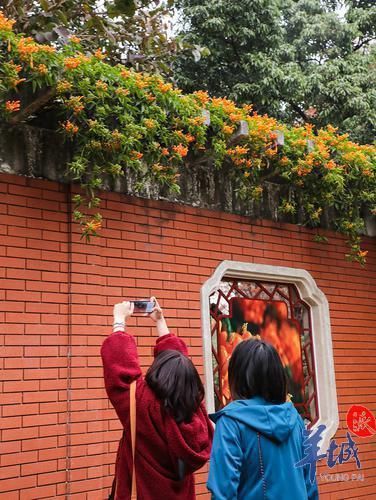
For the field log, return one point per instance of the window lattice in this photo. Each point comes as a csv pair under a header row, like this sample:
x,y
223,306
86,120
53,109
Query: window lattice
x,y
274,311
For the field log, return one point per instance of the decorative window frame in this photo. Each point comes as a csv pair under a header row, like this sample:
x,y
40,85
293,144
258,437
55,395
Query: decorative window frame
x,y
321,333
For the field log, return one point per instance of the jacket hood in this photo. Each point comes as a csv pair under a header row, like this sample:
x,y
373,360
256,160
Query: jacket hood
x,y
275,421
191,442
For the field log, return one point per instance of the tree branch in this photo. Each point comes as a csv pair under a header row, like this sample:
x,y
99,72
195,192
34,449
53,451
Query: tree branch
x,y
360,44
300,112
34,106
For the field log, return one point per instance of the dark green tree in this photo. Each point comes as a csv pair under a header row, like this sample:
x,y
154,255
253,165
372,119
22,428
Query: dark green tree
x,y
299,60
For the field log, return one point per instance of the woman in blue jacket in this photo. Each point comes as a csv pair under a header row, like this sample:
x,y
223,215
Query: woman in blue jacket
x,y
258,437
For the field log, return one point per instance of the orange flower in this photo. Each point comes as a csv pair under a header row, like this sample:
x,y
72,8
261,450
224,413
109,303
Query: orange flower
x,y
228,129
63,86
74,62
165,152
42,69
330,165
198,120
201,96
99,54
362,253
12,106
140,84
15,67
235,117
46,48
125,73
122,91
140,81
164,87
75,103
271,152
227,105
247,108
101,86
180,150
17,81
136,155
301,171
238,150
5,23
190,138
284,160
74,39
70,127
27,47
239,161
332,129
150,97
92,226
309,129
149,123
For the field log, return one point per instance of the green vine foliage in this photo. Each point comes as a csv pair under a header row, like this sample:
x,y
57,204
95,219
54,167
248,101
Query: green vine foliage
x,y
119,120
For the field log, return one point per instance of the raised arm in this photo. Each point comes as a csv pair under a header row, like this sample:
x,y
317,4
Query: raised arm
x,y
120,361
166,340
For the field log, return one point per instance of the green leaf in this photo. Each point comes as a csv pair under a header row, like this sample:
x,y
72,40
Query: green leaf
x,y
44,4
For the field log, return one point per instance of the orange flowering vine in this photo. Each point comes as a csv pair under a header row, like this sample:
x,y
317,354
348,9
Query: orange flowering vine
x,y
158,124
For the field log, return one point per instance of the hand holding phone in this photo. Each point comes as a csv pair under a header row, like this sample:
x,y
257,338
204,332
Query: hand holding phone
x,y
157,313
122,311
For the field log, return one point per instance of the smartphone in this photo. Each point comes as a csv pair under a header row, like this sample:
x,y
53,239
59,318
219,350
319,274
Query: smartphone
x,y
143,306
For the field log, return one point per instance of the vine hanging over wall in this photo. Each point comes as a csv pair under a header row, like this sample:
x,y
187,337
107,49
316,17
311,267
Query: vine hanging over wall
x,y
119,120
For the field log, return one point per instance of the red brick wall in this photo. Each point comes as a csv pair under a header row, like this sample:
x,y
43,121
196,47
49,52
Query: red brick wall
x,y
58,431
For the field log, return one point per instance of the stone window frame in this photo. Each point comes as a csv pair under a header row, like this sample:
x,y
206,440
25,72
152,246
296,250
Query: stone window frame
x,y
321,332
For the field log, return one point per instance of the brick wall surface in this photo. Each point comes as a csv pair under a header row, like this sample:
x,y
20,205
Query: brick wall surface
x,y
59,433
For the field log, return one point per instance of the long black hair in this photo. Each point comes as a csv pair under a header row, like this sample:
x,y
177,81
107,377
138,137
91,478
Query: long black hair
x,y
175,381
255,369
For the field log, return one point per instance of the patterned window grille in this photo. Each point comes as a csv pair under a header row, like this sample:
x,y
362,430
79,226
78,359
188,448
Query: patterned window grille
x,y
292,332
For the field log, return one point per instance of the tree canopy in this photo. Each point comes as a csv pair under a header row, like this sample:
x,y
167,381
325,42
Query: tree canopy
x,y
305,61
133,32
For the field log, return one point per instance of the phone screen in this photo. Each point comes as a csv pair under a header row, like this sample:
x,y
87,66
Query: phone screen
x,y
143,306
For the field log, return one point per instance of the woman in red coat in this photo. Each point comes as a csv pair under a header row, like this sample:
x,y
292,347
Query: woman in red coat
x,y
173,432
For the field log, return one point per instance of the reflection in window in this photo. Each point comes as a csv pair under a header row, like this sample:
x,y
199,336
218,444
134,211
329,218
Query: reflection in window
x,y
274,312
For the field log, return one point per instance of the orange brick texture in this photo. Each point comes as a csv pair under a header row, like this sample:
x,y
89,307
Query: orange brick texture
x,y
59,433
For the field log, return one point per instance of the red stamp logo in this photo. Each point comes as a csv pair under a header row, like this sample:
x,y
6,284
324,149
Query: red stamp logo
x,y
361,421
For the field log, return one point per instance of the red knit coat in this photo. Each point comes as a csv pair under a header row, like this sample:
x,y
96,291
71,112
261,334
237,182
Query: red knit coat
x,y
160,441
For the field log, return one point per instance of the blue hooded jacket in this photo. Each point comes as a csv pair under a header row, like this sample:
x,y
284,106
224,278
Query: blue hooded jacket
x,y
235,462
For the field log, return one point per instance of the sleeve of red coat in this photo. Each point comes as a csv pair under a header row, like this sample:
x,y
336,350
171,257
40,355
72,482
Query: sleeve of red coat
x,y
120,367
